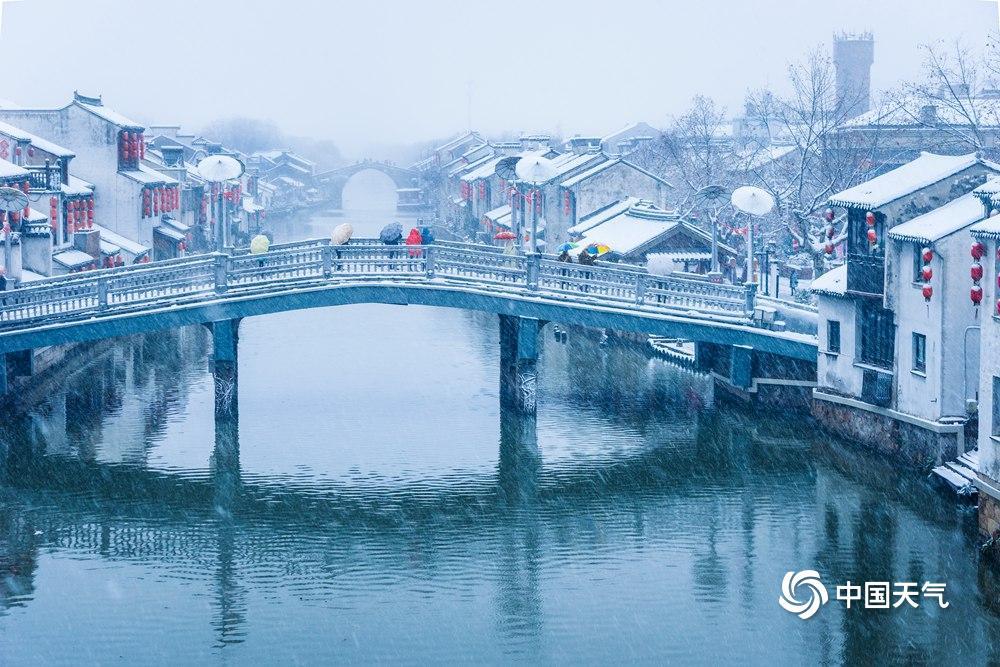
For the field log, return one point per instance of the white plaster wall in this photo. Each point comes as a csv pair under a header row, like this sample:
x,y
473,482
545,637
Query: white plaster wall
x,y
616,183
989,350
95,142
837,371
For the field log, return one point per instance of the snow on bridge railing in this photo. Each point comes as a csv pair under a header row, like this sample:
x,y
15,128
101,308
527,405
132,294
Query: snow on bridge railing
x,y
211,276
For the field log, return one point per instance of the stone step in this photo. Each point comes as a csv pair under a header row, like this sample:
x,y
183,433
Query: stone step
x,y
966,472
957,482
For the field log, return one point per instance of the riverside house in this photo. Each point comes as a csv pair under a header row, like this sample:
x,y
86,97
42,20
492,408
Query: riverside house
x,y
897,368
109,149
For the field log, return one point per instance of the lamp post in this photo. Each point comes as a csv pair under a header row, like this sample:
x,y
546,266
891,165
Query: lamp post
x,y
219,170
712,195
755,202
534,170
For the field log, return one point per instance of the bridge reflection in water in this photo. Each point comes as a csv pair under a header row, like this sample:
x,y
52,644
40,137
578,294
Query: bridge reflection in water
x,y
719,497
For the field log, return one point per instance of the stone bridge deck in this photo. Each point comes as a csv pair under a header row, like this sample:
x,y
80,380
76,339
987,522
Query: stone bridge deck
x,y
213,287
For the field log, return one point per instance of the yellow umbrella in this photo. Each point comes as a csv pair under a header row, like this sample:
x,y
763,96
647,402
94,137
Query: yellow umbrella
x,y
259,245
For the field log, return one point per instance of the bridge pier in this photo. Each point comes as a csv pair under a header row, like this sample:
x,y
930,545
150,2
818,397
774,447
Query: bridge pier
x,y
741,366
225,365
518,361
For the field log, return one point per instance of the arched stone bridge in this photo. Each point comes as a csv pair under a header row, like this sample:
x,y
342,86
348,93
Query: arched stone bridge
x,y
526,291
334,180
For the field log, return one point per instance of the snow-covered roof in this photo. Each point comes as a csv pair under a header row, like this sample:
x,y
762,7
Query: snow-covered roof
x,y
77,186
908,113
109,248
169,232
464,166
72,258
756,158
603,166
602,214
11,170
35,140
500,216
36,216
942,221
833,282
109,115
122,242
148,176
925,171
637,227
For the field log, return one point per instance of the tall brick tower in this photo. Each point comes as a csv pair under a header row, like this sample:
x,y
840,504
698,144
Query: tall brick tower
x,y
853,55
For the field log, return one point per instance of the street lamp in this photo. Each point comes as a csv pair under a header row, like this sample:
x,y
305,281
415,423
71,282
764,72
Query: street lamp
x,y
755,202
12,200
219,169
534,170
712,195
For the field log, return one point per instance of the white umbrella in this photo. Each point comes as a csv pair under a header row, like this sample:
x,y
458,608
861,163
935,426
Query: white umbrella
x,y
535,169
219,168
12,200
753,201
341,234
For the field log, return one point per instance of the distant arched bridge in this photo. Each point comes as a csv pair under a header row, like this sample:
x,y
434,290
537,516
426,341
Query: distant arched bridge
x,y
334,180
525,290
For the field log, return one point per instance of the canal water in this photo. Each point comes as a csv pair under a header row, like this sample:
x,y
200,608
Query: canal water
x,y
385,508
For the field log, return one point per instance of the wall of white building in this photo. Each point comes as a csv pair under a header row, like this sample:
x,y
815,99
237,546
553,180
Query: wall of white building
x,y
837,370
989,365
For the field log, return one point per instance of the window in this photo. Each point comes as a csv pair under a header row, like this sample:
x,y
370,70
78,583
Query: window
x,y
995,427
833,336
876,334
857,233
919,352
918,263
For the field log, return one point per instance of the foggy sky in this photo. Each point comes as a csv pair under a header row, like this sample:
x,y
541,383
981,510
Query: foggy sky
x,y
365,73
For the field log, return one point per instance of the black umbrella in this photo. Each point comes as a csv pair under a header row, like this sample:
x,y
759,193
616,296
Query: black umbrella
x,y
391,234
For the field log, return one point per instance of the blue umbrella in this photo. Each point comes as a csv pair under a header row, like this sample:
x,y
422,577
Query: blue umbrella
x,y
566,247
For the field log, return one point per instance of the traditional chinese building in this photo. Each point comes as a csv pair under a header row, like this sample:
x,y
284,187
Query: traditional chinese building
x,y
109,149
894,367
633,229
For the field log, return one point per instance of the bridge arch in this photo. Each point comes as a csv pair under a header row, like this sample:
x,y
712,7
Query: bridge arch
x,y
334,180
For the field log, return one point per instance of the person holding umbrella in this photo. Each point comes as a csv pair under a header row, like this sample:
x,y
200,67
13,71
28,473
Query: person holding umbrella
x,y
391,234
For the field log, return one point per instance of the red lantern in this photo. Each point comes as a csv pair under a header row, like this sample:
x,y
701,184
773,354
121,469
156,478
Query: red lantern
x,y
829,232
978,250
872,236
976,272
927,291
926,273
927,255
870,219
828,215
976,294
829,248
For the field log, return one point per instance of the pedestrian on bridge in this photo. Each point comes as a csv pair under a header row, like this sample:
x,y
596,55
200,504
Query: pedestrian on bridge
x,y
414,238
428,235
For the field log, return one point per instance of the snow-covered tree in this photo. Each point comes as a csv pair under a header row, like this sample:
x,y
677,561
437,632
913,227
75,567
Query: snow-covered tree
x,y
802,156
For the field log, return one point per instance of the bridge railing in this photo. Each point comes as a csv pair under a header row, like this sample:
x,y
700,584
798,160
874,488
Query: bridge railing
x,y
198,277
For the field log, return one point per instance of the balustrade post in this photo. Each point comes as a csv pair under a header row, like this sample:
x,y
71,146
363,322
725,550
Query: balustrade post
x,y
102,293
750,295
327,260
533,263
640,289
221,273
430,257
